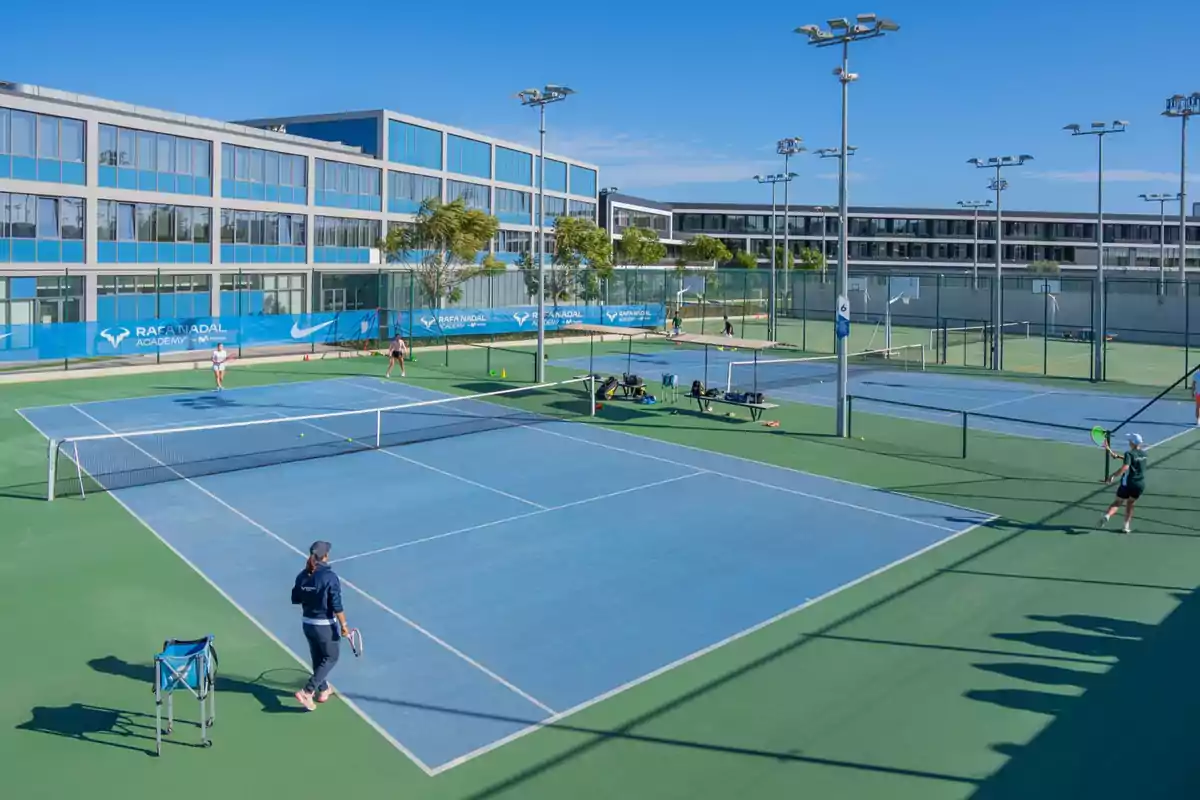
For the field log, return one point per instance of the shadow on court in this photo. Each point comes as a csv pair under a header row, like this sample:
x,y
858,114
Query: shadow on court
x,y
1131,733
272,689
109,727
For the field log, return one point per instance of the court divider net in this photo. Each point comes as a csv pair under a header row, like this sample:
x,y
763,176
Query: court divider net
x,y
122,459
782,373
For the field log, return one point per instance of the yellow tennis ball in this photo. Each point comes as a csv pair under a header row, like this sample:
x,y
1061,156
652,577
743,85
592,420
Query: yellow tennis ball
x,y
302,436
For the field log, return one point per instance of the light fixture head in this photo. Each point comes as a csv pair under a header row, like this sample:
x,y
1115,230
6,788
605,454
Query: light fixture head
x,y
552,88
1073,127
886,26
865,18
807,30
1120,123
838,24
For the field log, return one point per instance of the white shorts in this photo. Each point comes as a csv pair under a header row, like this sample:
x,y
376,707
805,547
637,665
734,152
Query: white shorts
x,y
218,367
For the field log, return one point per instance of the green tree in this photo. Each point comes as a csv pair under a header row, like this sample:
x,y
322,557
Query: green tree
x,y
491,265
744,260
445,240
582,257
705,249
811,259
640,247
784,258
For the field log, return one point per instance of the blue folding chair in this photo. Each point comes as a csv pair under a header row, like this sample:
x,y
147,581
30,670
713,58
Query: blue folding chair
x,y
189,664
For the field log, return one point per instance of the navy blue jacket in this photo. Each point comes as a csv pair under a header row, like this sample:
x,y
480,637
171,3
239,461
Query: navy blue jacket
x,y
319,594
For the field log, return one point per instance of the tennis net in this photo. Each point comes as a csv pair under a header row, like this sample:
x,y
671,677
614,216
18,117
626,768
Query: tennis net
x,y
780,373
122,459
973,334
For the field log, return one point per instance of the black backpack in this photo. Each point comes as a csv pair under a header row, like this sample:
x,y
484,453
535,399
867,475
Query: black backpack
x,y
697,389
607,389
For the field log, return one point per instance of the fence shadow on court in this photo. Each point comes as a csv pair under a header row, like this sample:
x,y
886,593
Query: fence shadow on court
x,y
1130,733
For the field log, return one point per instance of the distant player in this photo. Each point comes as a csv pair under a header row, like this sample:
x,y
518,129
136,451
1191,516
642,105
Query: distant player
x,y
1133,481
677,327
397,350
1196,393
219,357
728,328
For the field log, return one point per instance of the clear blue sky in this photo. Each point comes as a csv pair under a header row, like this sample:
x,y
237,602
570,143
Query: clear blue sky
x,y
671,105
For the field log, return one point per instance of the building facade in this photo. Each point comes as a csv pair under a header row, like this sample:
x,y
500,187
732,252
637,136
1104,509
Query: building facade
x,y
112,211
947,240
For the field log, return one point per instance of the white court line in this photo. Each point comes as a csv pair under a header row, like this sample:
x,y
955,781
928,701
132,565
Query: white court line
x,y
194,393
515,517
422,464
263,628
410,623
1172,437
560,716
1020,399
743,459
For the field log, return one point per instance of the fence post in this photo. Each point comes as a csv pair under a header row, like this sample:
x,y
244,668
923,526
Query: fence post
x,y
1187,327
745,299
964,434
849,416
1092,315
1045,329
804,313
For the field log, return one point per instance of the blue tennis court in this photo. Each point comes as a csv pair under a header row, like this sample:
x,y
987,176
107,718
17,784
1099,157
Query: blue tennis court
x,y
1017,408
504,577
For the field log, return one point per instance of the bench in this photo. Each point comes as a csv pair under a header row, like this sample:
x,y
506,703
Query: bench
x,y
756,409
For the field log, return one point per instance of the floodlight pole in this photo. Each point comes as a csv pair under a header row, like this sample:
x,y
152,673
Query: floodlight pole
x,y
998,185
840,31
773,180
542,98
1183,107
1099,130
975,205
788,148
1162,200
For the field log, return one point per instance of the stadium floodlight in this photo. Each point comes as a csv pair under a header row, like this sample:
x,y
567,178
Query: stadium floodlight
x,y
868,26
540,98
1162,200
1182,107
1100,311
975,205
774,180
998,185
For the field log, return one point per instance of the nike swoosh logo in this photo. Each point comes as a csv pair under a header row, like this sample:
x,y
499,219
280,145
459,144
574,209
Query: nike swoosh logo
x,y
301,333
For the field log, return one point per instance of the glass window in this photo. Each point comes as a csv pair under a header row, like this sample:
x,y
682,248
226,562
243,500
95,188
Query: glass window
x,y
125,223
48,137
145,222
226,226
22,141
242,162
72,141
71,211
21,216
106,221
241,232
256,227
3,138
201,225
272,176
271,229
126,148
256,166
201,159
298,231
108,146
146,151
183,223
183,157
166,152
164,225
227,161
285,229
47,217
4,229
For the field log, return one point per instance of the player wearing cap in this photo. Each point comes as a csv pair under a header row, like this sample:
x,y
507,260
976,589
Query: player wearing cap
x,y
1133,480
319,593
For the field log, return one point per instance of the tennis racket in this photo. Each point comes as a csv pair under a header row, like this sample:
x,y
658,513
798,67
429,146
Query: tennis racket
x,y
354,637
1100,436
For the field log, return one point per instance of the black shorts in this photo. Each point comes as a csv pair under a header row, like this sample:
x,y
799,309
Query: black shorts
x,y
397,354
1129,492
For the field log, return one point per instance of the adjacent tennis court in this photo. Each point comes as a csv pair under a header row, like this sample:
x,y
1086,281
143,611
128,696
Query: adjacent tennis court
x,y
895,382
508,564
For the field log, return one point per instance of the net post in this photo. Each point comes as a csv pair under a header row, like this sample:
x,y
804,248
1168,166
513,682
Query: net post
x,y
964,434
849,416
52,465
591,392
78,468
1107,448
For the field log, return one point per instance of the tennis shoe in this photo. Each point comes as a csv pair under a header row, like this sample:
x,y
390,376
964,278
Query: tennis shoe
x,y
306,699
1126,528
1103,521
323,697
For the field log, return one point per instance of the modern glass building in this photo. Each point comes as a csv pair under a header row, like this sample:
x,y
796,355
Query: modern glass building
x,y
944,240
114,211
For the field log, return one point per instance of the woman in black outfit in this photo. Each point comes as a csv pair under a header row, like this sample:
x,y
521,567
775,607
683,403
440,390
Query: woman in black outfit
x,y
319,594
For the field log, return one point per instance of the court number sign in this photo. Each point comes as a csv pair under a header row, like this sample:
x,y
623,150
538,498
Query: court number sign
x,y
841,325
